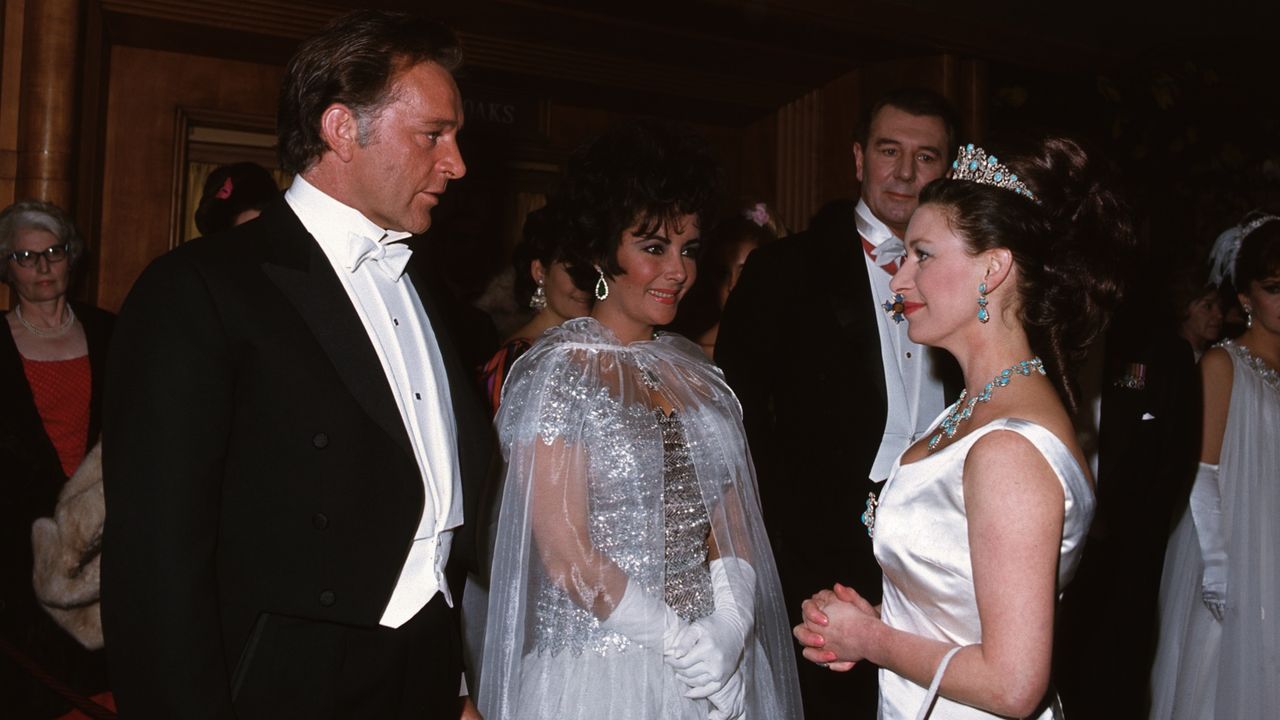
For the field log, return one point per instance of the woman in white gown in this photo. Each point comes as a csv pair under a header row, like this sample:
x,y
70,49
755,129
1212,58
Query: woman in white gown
x,y
981,523
1219,651
632,576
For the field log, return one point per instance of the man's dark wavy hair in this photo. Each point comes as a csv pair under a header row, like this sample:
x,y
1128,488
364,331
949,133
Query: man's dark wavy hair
x,y
918,102
353,61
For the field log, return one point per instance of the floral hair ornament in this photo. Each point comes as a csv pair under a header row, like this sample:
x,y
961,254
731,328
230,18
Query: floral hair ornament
x,y
224,192
975,165
1222,258
758,214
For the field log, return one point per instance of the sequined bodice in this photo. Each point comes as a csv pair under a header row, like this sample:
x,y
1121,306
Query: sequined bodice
x,y
687,584
626,525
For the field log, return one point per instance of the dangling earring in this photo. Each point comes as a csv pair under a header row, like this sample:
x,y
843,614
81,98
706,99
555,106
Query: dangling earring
x,y
983,315
539,299
602,287
1248,317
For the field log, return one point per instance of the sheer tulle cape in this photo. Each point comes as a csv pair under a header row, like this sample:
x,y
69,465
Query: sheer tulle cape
x,y
1229,670
583,519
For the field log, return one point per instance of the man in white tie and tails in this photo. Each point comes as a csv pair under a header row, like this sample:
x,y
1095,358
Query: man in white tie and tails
x,y
293,449
815,345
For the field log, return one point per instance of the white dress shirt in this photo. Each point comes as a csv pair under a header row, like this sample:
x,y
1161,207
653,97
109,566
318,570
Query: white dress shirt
x,y
370,268
914,392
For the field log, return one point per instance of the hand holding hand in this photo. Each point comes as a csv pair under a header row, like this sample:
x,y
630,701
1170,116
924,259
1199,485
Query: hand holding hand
x,y
836,624
717,649
729,702
719,638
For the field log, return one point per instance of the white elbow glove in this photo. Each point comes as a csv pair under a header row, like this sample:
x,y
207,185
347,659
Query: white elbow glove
x,y
1206,513
721,636
644,619
729,702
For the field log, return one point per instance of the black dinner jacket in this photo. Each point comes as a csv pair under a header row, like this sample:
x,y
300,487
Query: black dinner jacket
x,y
800,345
255,461
1149,449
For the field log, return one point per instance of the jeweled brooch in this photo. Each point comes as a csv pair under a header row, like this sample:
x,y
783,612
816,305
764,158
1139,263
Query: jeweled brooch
x,y
896,307
869,515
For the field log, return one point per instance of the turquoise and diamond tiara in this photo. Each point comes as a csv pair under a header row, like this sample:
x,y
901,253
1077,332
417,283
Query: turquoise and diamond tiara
x,y
975,165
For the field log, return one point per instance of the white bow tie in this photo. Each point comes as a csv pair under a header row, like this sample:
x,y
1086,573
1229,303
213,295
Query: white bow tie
x,y
888,248
391,258
889,251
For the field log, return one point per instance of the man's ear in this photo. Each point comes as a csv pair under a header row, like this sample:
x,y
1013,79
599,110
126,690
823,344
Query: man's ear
x,y
999,265
340,130
857,159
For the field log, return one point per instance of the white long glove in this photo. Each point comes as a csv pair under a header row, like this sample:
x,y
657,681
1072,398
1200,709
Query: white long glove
x,y
728,703
1206,513
645,620
722,635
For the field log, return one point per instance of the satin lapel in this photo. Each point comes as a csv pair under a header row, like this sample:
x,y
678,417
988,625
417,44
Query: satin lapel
x,y
849,293
297,265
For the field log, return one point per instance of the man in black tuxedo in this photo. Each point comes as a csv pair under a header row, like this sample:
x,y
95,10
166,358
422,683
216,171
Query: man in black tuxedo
x,y
831,387
1148,452
291,439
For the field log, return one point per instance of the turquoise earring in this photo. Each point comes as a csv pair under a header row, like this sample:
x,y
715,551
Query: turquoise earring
x,y
983,315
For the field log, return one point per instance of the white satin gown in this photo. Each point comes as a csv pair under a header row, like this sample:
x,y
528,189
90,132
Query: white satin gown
x,y
1229,670
922,544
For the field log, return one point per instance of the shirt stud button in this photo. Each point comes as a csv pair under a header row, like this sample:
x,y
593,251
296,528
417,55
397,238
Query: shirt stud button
x,y
328,598
320,521
320,441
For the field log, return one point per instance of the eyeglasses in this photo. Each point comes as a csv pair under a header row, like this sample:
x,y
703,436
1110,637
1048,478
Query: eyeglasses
x,y
29,258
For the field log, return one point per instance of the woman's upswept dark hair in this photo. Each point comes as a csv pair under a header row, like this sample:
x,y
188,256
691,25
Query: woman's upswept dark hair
x,y
543,235
645,171
1259,255
230,190
1073,245
353,62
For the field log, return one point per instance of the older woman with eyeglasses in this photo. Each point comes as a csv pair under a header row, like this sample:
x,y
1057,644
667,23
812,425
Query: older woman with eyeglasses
x,y
51,363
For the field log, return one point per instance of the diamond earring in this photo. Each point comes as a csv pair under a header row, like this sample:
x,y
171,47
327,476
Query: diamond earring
x,y
602,287
538,301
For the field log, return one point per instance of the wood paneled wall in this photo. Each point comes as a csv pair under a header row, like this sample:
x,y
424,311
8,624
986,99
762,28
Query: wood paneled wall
x,y
815,133
796,159
146,89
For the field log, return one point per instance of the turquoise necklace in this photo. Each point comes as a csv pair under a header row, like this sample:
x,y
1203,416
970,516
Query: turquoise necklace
x,y
964,410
